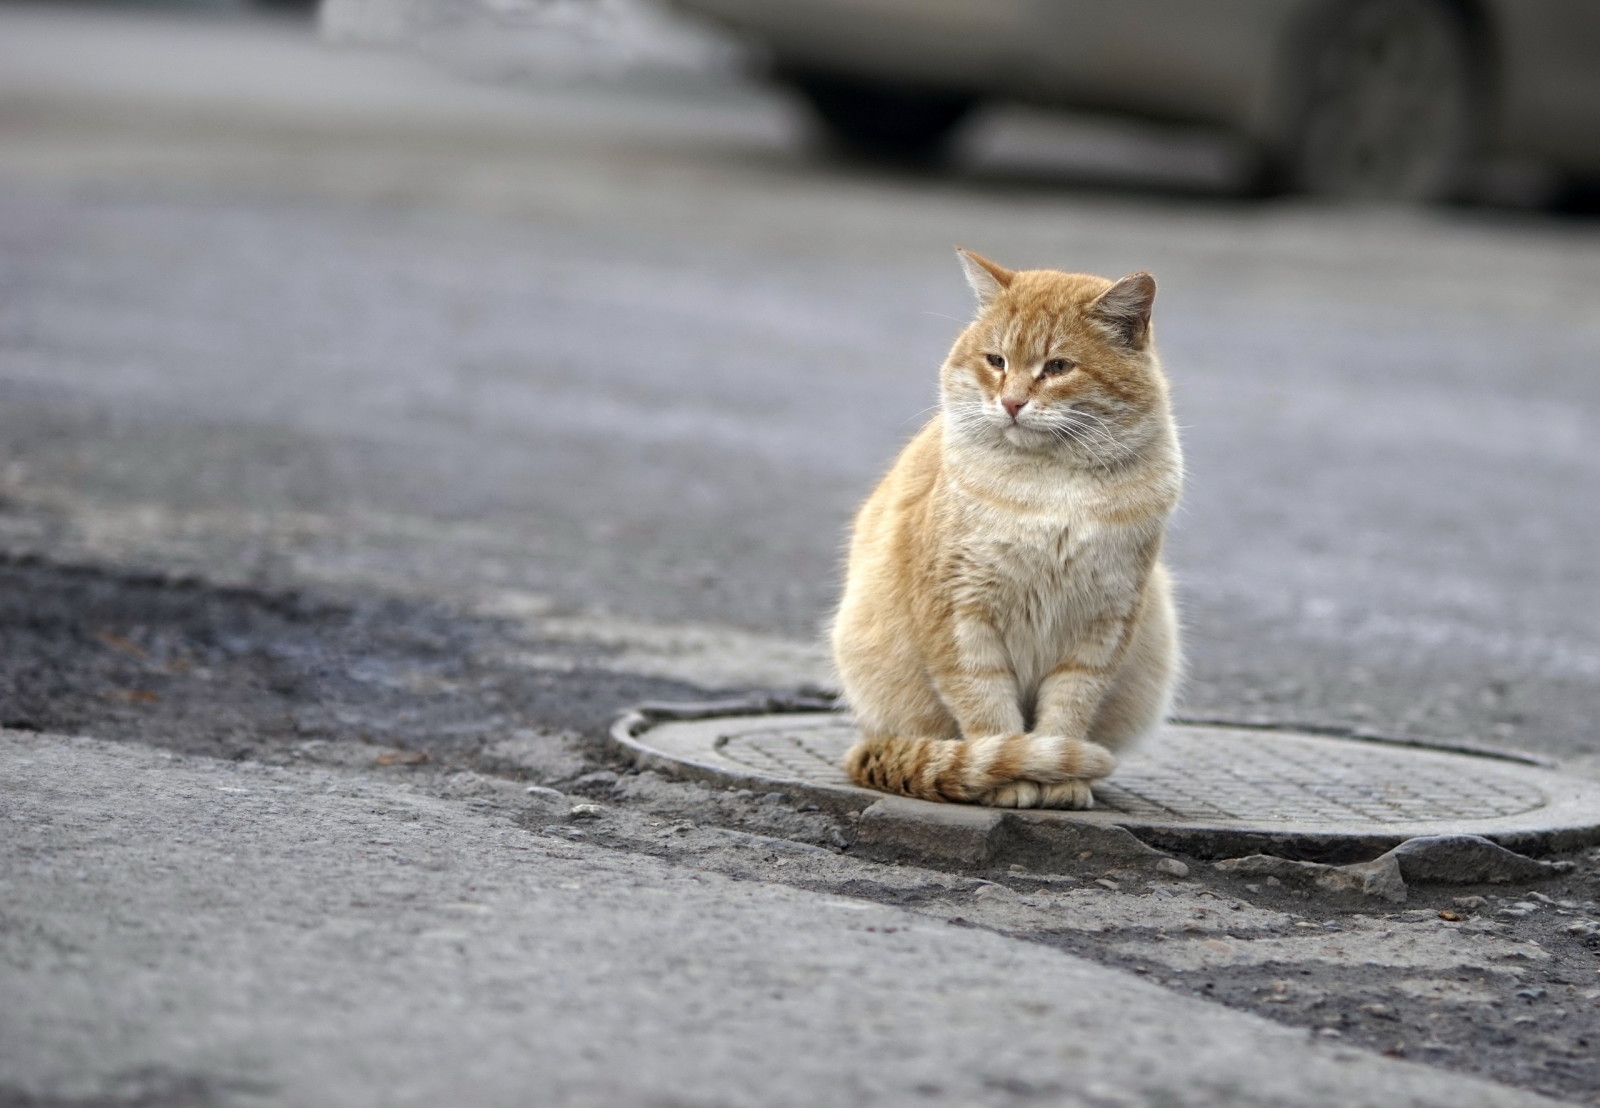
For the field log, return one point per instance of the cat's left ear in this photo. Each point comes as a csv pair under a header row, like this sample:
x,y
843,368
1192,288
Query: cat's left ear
x,y
1125,309
988,279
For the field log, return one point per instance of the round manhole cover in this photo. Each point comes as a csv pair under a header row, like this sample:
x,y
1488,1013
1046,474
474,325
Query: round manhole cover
x,y
1204,789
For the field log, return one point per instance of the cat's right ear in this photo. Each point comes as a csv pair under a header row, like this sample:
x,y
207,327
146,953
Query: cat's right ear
x,y
988,279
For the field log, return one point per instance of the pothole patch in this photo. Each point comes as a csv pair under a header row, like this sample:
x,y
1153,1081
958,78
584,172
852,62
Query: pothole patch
x,y
1209,791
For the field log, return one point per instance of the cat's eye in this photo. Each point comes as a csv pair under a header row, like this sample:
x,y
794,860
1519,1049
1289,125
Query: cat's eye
x,y
1057,366
996,360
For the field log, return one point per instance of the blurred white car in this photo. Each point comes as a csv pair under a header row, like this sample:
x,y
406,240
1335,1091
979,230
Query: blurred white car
x,y
1396,99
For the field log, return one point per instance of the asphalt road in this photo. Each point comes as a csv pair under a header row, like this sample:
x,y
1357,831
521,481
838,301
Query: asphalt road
x,y
605,366
293,936
632,351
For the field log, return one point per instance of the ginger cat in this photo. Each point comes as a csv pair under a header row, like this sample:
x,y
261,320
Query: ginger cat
x,y
1007,622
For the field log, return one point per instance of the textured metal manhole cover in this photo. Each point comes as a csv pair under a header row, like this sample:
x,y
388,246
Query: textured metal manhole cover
x,y
1217,787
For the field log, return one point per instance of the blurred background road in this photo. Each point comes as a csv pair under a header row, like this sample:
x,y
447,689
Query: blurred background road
x,y
613,344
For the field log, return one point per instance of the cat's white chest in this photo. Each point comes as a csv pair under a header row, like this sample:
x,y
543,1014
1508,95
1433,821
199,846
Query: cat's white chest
x,y
1047,566
1043,586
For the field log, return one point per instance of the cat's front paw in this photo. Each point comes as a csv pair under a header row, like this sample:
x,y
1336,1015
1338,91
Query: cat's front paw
x,y
1073,795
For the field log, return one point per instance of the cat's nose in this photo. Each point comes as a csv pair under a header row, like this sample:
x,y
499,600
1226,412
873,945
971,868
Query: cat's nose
x,y
1012,407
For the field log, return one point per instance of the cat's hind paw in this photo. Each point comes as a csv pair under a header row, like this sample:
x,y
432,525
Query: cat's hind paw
x,y
1074,795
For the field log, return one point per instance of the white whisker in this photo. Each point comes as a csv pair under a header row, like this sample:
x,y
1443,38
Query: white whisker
x,y
919,415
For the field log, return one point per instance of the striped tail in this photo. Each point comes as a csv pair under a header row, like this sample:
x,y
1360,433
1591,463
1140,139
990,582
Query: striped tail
x,y
993,769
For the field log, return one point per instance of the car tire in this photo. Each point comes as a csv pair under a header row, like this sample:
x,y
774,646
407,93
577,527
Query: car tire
x,y
878,122
1384,100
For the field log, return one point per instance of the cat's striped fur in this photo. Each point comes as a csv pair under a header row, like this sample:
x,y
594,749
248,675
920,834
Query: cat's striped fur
x,y
1006,621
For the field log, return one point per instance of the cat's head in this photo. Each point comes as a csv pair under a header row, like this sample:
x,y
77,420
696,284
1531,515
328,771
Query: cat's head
x,y
1055,362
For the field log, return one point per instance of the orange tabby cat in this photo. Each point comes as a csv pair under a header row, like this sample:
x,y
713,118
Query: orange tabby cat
x,y
1006,620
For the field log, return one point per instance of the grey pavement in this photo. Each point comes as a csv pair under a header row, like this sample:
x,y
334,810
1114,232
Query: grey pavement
x,y
186,930
597,370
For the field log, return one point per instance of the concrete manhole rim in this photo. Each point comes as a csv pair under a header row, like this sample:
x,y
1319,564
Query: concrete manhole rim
x,y
1568,816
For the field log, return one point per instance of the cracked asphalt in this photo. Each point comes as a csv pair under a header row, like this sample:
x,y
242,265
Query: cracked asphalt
x,y
398,441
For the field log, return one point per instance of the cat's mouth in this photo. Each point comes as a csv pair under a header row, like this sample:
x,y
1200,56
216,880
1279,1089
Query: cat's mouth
x,y
1029,438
